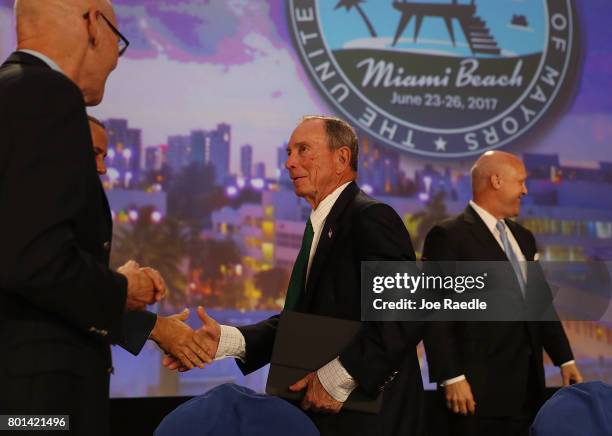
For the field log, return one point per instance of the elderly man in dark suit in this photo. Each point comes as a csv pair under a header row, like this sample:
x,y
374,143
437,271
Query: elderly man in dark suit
x,y
492,373
60,304
345,228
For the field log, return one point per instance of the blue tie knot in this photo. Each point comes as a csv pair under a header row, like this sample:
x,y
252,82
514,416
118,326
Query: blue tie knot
x,y
501,226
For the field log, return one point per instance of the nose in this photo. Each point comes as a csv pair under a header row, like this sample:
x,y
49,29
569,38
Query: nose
x,y
290,162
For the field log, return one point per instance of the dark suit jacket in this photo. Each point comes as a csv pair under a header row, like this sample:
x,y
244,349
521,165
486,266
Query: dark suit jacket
x,y
499,357
60,304
383,357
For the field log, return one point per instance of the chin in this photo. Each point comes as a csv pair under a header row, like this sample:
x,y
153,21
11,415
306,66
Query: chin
x,y
302,192
93,100
93,96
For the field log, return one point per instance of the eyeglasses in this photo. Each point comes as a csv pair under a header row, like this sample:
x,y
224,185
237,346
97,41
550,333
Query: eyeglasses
x,y
123,41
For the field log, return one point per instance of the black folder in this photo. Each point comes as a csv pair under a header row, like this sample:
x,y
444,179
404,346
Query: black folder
x,y
303,344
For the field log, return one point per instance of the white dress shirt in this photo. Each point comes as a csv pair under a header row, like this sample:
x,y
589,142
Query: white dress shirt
x,y
490,221
333,376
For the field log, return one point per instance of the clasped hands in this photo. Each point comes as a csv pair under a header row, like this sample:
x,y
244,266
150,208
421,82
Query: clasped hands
x,y
187,348
145,285
171,333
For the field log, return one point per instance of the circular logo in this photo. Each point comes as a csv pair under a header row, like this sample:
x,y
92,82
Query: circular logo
x,y
443,78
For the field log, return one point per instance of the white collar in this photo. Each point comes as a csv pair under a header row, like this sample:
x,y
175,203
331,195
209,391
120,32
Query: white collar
x,y
318,215
489,220
47,60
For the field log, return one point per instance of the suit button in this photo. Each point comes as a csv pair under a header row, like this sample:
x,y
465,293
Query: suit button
x,y
103,332
106,245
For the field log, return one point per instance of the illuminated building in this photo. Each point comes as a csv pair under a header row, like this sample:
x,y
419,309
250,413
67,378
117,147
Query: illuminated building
x,y
246,161
124,151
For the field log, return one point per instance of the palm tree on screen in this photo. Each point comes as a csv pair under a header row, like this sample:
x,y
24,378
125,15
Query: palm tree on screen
x,y
349,4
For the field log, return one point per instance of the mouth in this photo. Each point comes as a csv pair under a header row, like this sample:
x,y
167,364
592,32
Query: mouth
x,y
296,178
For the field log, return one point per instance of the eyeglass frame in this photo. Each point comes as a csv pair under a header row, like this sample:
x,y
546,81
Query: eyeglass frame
x,y
115,31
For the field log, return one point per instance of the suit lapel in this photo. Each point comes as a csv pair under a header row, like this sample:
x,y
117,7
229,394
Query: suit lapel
x,y
521,239
480,232
326,240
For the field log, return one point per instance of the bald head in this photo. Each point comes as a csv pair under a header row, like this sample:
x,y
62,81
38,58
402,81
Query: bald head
x,y
490,164
498,183
74,35
36,18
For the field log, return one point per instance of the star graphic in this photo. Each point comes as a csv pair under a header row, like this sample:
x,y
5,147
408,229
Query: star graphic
x,y
440,144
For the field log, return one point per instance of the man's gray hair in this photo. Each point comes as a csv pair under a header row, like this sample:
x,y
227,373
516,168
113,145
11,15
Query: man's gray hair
x,y
339,134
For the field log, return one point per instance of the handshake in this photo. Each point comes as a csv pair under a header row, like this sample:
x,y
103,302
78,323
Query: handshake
x,y
185,348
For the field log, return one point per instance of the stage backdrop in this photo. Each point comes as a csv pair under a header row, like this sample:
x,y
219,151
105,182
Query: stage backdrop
x,y
202,104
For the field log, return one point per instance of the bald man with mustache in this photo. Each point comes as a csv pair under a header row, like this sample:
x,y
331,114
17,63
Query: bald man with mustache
x,y
60,304
491,374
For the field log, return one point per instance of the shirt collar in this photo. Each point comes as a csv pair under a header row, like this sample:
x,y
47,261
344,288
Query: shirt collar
x,y
47,60
489,220
318,215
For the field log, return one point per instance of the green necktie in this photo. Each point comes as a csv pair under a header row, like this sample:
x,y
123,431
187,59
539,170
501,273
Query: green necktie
x,y
298,275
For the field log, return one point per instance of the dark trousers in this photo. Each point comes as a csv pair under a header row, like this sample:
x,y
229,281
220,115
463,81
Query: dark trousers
x,y
517,425
488,426
85,399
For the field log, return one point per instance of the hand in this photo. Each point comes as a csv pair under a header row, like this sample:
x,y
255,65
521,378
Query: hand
x,y
178,339
209,333
158,282
570,374
459,398
141,290
316,397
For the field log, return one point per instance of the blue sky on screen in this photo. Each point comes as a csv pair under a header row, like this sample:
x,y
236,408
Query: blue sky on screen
x,y
514,40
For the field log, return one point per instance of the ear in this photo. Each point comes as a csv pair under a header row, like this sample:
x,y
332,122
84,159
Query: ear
x,y
93,26
495,181
343,159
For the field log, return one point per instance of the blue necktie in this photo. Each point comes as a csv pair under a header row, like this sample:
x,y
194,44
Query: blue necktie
x,y
511,255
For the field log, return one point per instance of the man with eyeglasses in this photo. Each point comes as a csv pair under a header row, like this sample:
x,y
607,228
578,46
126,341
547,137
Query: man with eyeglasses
x,y
60,305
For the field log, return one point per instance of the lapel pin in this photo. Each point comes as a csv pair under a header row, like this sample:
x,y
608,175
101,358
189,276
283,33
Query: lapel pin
x,y
330,233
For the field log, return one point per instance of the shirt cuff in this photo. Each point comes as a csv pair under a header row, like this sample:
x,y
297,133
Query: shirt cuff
x,y
336,380
569,362
231,344
450,381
